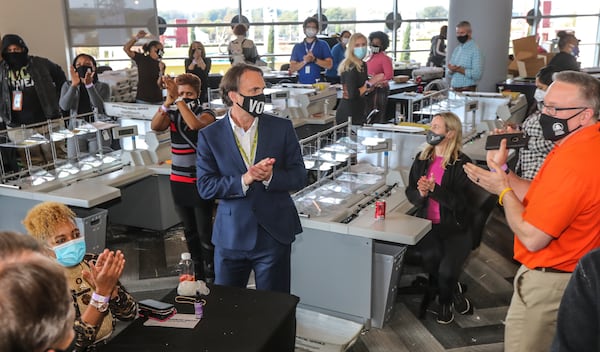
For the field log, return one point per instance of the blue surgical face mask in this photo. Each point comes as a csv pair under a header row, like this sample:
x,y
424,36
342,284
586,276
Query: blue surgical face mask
x,y
70,253
539,95
575,51
310,32
360,52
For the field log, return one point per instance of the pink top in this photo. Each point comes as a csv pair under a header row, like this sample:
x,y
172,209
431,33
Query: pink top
x,y
435,169
380,63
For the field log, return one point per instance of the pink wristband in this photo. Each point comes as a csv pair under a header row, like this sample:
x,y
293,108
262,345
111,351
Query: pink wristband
x,y
88,86
162,107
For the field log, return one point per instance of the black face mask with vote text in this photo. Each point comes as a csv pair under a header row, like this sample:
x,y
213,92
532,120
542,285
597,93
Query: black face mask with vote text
x,y
254,105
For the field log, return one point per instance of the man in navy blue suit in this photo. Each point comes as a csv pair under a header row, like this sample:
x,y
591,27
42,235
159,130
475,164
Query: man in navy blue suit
x,y
251,162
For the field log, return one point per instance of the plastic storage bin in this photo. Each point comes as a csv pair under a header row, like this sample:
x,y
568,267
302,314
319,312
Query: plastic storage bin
x,y
387,265
92,224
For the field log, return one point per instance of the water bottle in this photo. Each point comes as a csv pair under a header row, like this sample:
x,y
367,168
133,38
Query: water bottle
x,y
186,268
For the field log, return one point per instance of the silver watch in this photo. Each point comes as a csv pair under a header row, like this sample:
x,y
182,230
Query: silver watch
x,y
99,302
100,306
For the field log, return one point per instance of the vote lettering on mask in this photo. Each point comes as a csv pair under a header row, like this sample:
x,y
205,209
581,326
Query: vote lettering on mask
x,y
254,105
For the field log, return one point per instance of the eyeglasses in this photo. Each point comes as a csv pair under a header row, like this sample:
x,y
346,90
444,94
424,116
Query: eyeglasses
x,y
552,110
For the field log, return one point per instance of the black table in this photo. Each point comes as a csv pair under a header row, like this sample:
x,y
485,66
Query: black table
x,y
403,71
308,130
397,88
235,319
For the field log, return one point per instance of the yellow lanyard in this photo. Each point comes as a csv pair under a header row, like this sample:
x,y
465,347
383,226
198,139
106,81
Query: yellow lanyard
x,y
247,160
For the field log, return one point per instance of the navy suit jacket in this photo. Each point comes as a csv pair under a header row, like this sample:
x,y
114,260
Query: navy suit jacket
x,y
220,168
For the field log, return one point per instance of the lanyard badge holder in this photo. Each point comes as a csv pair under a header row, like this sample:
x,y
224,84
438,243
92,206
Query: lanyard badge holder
x,y
17,104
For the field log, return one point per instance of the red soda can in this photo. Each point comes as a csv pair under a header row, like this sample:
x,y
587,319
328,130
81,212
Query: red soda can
x,y
380,210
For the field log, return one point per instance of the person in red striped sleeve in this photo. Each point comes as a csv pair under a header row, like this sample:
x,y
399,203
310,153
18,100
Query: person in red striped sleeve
x,y
183,114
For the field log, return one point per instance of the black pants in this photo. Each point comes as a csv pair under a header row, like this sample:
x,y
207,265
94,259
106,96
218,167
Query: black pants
x,y
197,227
444,255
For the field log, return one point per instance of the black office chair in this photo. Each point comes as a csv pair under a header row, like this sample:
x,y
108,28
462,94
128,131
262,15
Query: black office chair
x,y
436,85
481,205
101,69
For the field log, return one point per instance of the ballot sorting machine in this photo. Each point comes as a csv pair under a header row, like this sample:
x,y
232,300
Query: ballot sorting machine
x,y
302,100
345,262
72,161
64,149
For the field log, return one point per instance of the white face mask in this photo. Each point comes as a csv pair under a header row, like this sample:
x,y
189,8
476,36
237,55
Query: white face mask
x,y
345,40
310,32
539,95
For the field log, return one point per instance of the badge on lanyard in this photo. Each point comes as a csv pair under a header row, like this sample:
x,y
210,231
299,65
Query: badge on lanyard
x,y
17,104
308,50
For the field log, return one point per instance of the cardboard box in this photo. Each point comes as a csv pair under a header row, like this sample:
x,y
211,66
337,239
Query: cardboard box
x,y
528,61
530,67
525,48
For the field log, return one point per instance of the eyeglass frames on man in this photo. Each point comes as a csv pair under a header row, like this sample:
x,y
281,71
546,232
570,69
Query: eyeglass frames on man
x,y
552,110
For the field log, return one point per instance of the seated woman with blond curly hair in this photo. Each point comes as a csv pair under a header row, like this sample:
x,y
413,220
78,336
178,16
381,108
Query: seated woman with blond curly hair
x,y
97,295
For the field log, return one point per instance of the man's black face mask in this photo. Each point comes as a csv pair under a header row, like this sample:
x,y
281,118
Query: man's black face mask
x,y
15,60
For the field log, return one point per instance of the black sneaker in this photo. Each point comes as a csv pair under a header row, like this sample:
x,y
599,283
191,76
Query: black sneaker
x,y
461,304
445,314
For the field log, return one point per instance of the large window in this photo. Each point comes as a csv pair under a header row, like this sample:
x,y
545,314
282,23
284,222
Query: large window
x,y
275,26
576,16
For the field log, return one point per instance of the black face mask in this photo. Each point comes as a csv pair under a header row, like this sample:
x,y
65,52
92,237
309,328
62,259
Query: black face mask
x,y
433,138
254,105
82,70
554,128
160,53
15,60
462,38
192,103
